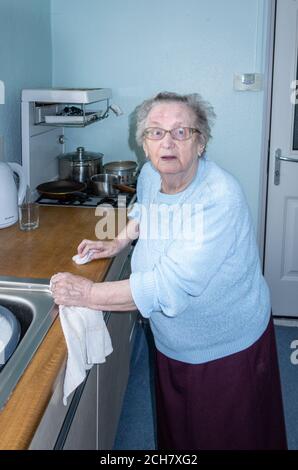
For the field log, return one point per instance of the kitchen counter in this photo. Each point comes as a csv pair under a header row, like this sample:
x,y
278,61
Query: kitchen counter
x,y
40,254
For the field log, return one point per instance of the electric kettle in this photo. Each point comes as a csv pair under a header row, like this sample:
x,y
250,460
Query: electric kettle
x,y
10,197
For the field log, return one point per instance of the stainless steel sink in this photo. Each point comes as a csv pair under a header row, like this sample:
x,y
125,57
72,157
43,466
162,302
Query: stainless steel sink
x,y
31,302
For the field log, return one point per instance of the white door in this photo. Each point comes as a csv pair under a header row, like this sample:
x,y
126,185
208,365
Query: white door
x,y
281,248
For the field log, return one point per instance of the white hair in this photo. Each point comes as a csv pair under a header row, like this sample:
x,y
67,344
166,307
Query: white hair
x,y
203,111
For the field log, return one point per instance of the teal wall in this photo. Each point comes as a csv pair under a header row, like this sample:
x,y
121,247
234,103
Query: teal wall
x,y
139,47
25,61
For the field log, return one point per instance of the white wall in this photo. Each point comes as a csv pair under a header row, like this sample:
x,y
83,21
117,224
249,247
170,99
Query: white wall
x,y
140,47
25,62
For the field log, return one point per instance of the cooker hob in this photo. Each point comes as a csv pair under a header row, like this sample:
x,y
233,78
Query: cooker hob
x,y
118,201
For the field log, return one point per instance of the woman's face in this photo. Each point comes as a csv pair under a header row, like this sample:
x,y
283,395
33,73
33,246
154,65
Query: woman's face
x,y
167,155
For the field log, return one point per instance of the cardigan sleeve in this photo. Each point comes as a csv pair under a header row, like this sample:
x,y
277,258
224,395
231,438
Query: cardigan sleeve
x,y
135,210
187,266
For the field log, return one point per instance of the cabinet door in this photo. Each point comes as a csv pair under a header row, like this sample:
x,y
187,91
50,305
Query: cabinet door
x,y
112,379
82,434
113,374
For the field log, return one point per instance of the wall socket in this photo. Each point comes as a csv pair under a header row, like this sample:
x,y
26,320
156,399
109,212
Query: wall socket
x,y
2,148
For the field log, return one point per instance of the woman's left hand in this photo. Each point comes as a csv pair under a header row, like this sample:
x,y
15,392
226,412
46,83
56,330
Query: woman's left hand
x,y
68,289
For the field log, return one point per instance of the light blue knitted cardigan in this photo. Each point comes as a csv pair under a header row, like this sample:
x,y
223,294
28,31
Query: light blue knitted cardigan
x,y
206,297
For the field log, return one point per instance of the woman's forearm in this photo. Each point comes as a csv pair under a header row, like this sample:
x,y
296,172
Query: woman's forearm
x,y
129,233
116,295
113,296
69,289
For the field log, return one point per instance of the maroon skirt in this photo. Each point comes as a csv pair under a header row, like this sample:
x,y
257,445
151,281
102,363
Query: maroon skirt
x,y
230,403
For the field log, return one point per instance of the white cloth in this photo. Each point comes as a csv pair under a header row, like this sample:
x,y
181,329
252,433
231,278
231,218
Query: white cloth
x,y
88,342
86,259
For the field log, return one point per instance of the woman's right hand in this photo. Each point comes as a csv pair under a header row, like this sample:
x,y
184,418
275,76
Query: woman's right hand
x,y
100,249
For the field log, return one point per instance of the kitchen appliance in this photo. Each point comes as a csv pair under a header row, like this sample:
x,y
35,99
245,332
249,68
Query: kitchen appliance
x,y
72,115
43,140
66,95
90,200
62,190
80,165
126,170
10,196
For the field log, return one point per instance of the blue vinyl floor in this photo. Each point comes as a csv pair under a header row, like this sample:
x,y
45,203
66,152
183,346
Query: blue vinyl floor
x,y
136,428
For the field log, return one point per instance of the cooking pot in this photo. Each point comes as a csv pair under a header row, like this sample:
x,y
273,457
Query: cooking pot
x,y
126,170
106,184
79,166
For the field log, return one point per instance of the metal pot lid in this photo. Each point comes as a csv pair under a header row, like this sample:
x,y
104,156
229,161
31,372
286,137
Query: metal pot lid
x,y
121,165
80,155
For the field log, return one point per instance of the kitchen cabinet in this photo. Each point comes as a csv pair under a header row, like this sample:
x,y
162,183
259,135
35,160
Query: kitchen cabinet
x,y
34,414
66,106
92,420
82,434
91,417
113,377
44,118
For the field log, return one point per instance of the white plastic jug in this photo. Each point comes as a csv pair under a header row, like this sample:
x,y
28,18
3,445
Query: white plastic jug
x,y
10,196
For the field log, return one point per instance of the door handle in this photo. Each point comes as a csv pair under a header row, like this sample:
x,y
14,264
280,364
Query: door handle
x,y
278,159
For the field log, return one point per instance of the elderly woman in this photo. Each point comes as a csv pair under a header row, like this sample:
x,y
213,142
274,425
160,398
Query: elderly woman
x,y
196,275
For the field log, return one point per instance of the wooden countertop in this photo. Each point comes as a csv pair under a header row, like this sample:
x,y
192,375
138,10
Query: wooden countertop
x,y
39,254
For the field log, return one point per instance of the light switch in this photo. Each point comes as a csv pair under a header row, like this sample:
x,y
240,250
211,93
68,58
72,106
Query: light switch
x,y
248,81
2,92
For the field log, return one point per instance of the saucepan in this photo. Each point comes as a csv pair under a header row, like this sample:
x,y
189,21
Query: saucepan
x,y
126,170
80,165
105,184
62,189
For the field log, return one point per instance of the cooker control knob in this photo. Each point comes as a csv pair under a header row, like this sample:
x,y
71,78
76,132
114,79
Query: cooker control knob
x,y
62,139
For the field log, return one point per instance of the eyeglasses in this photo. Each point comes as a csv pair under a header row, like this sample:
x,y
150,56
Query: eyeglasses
x,y
179,133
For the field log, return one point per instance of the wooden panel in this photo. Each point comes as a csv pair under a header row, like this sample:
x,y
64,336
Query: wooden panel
x,y
24,410
42,252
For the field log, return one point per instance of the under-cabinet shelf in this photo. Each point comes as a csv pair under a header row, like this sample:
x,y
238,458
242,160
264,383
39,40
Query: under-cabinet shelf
x,y
68,107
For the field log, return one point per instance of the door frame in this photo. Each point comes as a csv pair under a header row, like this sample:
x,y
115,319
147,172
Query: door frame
x,y
269,39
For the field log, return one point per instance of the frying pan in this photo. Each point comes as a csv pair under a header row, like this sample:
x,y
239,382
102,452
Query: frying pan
x,y
62,189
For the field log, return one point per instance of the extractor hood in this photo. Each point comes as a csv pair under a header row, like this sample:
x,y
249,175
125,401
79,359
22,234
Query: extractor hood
x,y
66,95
